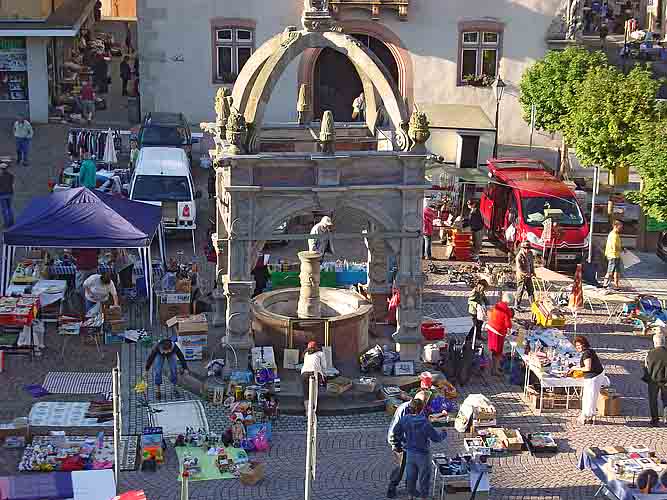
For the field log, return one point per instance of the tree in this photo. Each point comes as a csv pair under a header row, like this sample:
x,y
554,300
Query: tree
x,y
650,159
551,85
608,114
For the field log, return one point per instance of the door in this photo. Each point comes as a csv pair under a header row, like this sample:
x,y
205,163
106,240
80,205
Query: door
x,y
469,151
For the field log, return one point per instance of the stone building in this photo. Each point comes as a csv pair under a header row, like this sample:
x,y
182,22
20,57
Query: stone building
x,y
444,56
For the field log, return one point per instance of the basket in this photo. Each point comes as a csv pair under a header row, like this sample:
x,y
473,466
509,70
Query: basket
x,y
433,331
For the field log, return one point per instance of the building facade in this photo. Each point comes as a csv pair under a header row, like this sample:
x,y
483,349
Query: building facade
x,y
444,55
35,37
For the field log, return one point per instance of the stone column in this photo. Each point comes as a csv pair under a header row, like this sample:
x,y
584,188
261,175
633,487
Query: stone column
x,y
379,288
309,295
239,294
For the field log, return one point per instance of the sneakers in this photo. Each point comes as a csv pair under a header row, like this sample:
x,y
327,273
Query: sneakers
x,y
391,493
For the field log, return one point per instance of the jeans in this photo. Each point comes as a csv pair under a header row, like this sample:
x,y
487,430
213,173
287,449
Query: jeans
x,y
525,285
397,473
22,147
124,86
6,206
426,247
418,471
89,304
157,369
653,390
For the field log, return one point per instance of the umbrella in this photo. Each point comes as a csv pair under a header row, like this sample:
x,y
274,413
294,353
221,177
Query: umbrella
x,y
110,150
131,495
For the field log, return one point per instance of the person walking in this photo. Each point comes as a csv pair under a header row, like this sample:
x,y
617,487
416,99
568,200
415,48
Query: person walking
x,y
23,134
612,252
128,39
429,215
414,433
87,96
313,365
88,172
165,350
476,226
477,304
525,270
125,73
397,449
594,378
655,375
499,323
6,194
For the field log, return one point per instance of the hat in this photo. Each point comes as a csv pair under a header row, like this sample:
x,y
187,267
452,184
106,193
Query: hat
x,y
326,221
312,345
4,166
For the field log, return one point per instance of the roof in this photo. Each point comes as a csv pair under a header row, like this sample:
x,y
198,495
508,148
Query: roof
x,y
171,162
456,116
161,118
65,21
81,218
534,183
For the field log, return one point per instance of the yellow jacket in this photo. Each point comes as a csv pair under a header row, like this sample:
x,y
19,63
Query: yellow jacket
x,y
614,245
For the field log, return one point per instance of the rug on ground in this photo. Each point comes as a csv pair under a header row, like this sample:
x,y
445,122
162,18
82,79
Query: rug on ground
x,y
78,383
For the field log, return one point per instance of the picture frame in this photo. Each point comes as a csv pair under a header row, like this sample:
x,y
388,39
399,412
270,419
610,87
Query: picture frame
x,y
404,368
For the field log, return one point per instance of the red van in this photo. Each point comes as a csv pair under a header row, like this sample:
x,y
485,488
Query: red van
x,y
523,192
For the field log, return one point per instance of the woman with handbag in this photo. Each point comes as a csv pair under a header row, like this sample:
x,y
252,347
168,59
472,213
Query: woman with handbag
x,y
477,303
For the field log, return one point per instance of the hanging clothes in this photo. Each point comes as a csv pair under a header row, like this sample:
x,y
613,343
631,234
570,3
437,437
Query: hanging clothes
x,y
81,141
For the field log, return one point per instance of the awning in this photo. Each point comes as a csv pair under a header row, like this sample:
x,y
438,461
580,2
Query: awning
x,y
65,21
456,116
464,175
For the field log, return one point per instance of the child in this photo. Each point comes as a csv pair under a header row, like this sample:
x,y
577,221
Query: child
x,y
134,153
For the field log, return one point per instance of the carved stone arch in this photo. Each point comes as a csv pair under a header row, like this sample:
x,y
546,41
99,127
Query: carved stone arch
x,y
272,69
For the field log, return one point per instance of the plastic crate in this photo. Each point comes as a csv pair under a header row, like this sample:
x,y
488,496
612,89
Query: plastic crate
x,y
433,331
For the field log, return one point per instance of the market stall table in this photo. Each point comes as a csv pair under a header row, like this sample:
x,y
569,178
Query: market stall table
x,y
50,293
18,313
550,278
613,302
619,487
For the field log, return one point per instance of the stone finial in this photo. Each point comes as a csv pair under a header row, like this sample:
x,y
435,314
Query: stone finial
x,y
316,15
418,129
236,133
303,104
327,133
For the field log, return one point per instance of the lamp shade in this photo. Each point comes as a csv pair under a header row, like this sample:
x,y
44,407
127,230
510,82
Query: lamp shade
x,y
499,88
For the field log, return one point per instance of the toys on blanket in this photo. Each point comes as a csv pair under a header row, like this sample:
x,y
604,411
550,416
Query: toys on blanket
x,y
191,464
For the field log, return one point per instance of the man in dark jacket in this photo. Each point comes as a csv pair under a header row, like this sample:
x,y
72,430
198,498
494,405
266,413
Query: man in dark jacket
x,y
655,375
476,226
397,447
125,73
416,432
6,194
525,270
165,349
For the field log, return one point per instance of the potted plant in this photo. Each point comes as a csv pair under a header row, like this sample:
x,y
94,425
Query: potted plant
x,y
478,81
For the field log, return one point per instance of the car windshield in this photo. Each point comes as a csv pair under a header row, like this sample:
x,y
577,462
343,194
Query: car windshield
x,y
164,136
562,210
161,188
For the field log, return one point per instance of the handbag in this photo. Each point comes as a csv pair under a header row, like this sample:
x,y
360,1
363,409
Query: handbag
x,y
480,312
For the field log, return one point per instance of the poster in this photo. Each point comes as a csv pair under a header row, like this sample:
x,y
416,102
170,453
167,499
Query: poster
x,y
13,60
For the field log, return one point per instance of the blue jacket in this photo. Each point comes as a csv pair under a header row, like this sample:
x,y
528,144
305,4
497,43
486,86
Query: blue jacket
x,y
401,411
416,431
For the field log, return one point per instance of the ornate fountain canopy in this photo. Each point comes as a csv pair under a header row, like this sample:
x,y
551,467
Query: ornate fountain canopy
x,y
374,6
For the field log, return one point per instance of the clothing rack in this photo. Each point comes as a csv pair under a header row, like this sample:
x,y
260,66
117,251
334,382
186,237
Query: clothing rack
x,y
91,140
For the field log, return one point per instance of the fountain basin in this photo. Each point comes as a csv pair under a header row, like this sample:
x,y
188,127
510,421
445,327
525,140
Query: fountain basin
x,y
347,312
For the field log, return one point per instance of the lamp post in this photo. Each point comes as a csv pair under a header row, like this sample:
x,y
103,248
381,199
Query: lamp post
x,y
499,89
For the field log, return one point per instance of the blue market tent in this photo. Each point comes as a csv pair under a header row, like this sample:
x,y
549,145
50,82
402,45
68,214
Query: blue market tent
x,y
81,218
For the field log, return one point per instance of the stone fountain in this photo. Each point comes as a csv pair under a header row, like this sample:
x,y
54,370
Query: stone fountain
x,y
302,313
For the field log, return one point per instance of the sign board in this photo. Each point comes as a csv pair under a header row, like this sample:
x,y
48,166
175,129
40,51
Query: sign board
x,y
13,54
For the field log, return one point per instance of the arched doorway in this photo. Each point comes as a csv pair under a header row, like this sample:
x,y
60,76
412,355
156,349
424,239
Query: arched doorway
x,y
337,83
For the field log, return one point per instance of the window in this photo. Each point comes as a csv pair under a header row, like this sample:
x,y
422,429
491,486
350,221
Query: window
x,y
480,45
161,188
233,47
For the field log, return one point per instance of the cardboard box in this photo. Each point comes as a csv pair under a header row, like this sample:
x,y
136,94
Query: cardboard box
x,y
511,439
184,286
193,340
117,325
191,353
113,313
365,386
186,325
174,298
251,474
169,311
609,405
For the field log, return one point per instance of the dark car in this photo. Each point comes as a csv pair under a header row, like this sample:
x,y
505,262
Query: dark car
x,y
166,129
661,249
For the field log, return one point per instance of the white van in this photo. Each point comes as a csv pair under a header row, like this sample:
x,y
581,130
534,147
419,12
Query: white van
x,y
162,177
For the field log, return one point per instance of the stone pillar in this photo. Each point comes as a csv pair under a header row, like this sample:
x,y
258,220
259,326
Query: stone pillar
x,y
379,288
410,280
239,294
309,295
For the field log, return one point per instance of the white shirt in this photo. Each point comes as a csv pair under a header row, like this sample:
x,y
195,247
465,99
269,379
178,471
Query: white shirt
x,y
96,291
313,363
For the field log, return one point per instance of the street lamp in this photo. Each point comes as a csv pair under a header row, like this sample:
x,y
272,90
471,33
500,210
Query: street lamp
x,y
499,89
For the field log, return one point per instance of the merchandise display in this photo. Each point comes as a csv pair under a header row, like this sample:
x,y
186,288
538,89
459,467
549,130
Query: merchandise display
x,y
59,452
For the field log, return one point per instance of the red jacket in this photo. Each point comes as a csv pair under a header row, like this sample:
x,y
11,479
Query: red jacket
x,y
429,215
499,322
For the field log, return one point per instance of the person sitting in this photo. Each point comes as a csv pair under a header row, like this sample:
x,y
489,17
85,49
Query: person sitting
x,y
165,349
97,289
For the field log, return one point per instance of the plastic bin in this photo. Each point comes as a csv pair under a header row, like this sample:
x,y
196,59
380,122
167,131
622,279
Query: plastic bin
x,y
433,331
